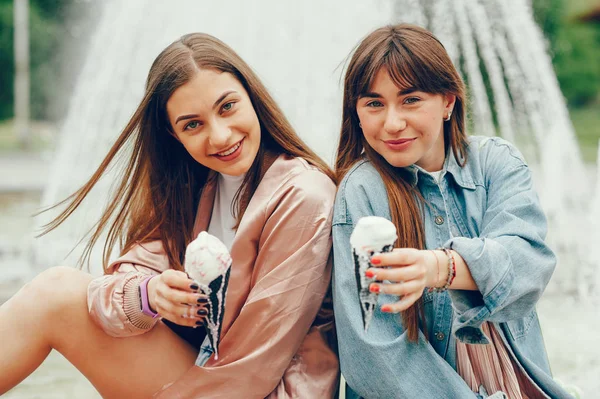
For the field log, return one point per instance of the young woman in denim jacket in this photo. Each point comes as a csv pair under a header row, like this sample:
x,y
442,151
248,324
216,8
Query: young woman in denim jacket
x,y
470,261
205,121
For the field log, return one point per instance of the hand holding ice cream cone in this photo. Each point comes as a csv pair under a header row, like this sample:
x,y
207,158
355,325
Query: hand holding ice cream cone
x,y
173,296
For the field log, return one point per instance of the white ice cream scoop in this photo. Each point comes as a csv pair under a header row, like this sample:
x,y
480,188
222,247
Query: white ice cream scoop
x,y
372,234
206,258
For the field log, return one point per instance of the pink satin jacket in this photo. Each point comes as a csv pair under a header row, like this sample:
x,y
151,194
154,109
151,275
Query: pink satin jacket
x,y
273,344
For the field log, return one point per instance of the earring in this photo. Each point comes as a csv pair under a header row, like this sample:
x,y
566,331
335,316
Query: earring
x,y
360,125
449,115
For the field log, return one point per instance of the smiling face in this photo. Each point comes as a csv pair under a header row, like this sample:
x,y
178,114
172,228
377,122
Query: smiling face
x,y
403,125
213,117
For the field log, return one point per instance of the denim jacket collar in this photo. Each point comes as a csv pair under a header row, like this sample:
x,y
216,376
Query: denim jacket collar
x,y
462,175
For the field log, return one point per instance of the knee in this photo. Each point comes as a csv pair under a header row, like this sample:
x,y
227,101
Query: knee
x,y
55,287
54,300
51,280
57,274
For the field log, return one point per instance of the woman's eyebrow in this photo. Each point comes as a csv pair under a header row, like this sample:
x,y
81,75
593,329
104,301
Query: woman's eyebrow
x,y
185,117
370,94
221,98
228,92
403,92
406,91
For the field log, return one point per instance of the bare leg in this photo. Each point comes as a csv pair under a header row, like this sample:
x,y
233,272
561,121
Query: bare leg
x,y
51,312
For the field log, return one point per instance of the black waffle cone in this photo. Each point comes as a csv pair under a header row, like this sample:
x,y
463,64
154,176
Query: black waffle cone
x,y
366,307
358,286
214,319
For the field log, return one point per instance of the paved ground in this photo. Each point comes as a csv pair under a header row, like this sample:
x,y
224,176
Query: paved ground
x,y
56,378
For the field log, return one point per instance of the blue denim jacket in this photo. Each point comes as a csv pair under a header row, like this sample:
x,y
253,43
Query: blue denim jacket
x,y
489,213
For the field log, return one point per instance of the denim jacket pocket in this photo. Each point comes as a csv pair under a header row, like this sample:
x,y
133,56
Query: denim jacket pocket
x,y
519,328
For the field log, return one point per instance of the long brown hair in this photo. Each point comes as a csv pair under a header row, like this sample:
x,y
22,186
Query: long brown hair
x,y
414,58
160,186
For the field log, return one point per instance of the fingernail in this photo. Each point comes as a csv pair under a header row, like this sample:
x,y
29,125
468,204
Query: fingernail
x,y
202,300
194,287
374,288
386,309
375,261
202,312
199,323
370,274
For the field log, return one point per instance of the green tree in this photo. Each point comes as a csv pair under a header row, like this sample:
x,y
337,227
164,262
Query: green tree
x,y
549,15
575,51
7,64
577,63
55,26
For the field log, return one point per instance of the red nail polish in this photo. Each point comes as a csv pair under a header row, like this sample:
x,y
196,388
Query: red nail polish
x,y
374,288
375,261
369,274
386,309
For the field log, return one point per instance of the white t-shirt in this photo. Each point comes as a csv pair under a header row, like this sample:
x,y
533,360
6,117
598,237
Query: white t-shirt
x,y
222,221
436,175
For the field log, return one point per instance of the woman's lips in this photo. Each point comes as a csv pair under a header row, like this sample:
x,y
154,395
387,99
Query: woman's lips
x,y
233,155
400,144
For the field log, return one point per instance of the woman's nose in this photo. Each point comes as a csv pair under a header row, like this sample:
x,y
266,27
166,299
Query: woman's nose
x,y
394,122
219,136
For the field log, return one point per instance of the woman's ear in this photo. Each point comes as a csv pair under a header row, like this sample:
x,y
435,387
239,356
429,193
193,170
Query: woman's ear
x,y
450,100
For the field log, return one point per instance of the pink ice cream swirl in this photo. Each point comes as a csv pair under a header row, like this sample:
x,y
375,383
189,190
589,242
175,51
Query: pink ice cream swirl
x,y
206,258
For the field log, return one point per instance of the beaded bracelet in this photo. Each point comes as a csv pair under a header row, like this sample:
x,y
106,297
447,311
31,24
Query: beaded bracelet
x,y
453,268
451,272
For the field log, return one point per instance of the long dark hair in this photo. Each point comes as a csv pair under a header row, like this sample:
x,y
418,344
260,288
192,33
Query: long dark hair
x,y
414,58
158,193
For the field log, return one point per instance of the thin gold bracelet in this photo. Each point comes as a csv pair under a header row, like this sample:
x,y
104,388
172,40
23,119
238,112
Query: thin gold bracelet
x,y
437,261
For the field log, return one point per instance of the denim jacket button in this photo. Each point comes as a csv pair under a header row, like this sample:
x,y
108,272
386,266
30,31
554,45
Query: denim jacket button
x,y
440,336
439,220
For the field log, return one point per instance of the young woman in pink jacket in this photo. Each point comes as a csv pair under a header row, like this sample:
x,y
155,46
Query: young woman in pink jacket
x,y
211,152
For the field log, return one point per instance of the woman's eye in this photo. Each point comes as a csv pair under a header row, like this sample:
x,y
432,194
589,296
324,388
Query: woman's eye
x,y
374,104
228,106
412,100
192,125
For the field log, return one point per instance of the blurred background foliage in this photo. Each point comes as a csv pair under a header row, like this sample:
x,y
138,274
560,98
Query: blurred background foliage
x,y
574,44
59,30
